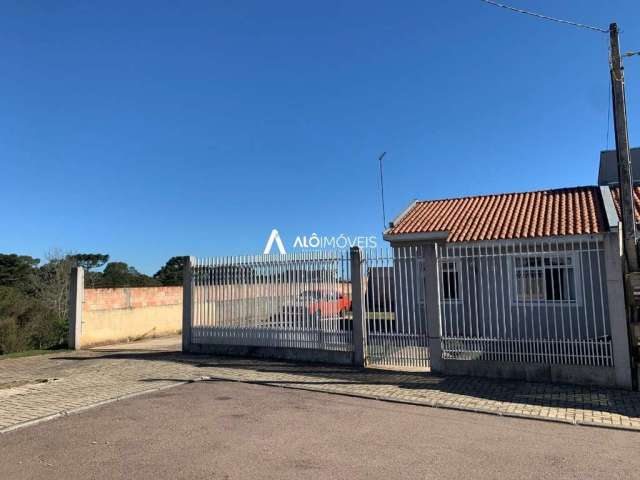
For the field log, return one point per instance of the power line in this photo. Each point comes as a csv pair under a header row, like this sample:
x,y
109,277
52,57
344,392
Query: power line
x,y
545,17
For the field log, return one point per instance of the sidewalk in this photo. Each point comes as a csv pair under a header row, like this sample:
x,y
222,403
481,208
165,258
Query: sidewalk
x,y
38,388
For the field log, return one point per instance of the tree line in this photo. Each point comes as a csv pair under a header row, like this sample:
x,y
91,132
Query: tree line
x,y
34,295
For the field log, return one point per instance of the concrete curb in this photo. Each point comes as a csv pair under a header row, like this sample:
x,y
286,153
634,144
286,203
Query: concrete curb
x,y
83,408
436,404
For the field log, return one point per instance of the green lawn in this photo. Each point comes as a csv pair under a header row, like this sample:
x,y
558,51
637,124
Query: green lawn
x,y
30,353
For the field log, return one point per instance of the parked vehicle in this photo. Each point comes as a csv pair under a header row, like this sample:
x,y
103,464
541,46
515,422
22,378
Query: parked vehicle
x,y
315,305
327,304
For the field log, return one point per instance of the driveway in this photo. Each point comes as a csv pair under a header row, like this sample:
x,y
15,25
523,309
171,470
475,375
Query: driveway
x,y
231,430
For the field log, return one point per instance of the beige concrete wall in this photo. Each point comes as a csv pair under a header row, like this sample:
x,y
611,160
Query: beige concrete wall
x,y
239,291
112,315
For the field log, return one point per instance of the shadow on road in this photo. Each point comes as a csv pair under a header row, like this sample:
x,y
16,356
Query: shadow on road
x,y
315,376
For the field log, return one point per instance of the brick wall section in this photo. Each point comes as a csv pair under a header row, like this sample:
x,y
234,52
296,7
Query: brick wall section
x,y
101,299
114,315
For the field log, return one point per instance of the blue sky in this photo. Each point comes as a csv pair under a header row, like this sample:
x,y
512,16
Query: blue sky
x,y
152,129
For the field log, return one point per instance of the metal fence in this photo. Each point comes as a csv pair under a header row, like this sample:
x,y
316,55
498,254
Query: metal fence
x,y
525,301
295,300
394,307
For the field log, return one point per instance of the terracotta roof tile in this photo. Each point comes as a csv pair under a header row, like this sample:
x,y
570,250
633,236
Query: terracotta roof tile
x,y
615,193
565,211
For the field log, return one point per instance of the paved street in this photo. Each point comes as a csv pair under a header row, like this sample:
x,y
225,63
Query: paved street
x,y
37,388
231,430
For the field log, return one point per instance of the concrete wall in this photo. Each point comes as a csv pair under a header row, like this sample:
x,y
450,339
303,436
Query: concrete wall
x,y
534,372
112,315
239,291
280,353
608,172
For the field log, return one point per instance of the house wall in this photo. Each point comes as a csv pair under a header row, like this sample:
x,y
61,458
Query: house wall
x,y
488,308
487,324
488,305
608,171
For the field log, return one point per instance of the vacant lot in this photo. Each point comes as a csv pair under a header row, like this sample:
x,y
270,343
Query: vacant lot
x,y
215,429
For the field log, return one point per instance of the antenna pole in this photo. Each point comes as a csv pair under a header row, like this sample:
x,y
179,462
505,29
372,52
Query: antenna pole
x,y
384,215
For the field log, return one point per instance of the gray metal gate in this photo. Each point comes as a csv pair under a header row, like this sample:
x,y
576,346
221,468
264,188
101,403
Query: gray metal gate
x,y
394,308
298,301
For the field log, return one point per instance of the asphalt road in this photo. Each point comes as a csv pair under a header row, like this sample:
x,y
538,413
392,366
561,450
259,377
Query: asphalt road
x,y
220,430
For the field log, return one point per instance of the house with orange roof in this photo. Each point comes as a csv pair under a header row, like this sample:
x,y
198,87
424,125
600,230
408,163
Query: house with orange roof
x,y
525,284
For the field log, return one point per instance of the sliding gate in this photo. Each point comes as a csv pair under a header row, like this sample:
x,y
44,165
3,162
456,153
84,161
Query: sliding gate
x,y
295,301
304,301
394,308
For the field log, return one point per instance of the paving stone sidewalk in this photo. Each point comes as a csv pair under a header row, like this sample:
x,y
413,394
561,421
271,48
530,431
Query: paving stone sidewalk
x,y
38,388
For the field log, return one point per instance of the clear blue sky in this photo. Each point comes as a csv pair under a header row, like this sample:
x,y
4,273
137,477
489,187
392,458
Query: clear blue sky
x,y
152,129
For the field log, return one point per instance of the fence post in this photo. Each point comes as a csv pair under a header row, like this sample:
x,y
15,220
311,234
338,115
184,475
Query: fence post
x,y
356,308
432,297
617,310
76,297
187,303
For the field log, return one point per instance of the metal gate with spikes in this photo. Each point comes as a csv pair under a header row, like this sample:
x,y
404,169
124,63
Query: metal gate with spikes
x,y
394,308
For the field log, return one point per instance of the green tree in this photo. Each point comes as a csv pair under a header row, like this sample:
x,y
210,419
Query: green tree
x,y
10,338
119,274
19,271
54,283
14,306
33,301
26,322
89,261
172,273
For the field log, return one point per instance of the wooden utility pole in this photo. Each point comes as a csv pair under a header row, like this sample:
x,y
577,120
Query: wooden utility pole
x,y
622,152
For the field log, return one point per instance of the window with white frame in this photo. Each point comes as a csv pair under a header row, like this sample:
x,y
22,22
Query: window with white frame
x,y
450,281
545,279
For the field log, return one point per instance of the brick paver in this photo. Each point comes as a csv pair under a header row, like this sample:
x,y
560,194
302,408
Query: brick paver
x,y
43,387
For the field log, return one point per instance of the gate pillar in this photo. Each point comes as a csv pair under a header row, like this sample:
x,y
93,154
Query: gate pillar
x,y
187,304
432,301
356,308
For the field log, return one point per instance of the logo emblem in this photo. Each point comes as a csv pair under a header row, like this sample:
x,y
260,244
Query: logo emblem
x,y
274,237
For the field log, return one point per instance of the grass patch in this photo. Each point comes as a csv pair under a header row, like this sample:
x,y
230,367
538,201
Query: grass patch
x,y
31,353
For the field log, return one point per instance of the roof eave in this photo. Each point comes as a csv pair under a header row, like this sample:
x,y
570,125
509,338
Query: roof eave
x,y
610,212
415,237
400,216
